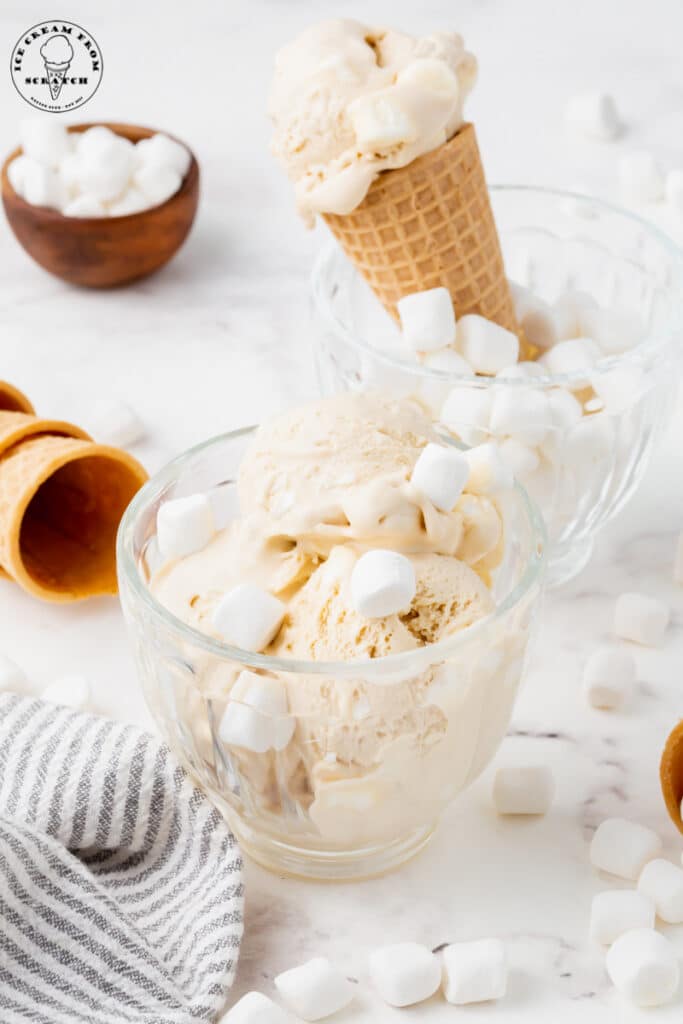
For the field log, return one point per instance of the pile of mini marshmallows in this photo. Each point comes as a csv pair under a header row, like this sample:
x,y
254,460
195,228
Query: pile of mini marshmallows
x,y
95,173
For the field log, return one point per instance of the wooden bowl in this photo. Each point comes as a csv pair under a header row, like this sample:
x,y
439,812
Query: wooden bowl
x,y
102,252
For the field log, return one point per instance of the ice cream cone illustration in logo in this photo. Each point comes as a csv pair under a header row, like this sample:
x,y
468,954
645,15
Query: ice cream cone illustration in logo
x,y
57,53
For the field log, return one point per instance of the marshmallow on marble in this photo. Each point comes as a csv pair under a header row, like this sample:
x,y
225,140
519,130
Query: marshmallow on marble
x,y
382,583
609,677
71,691
184,525
535,317
117,423
427,319
405,973
662,882
571,356
643,966
257,715
255,1008
467,412
162,151
474,972
248,617
11,676
488,470
640,179
84,206
520,458
440,474
45,140
486,346
570,311
594,115
623,848
157,184
314,990
521,412
523,789
641,618
678,560
674,190
617,911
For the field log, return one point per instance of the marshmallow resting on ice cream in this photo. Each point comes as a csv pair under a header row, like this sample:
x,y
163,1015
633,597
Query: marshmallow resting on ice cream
x,y
349,101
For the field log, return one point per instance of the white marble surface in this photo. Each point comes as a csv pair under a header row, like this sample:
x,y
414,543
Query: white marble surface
x,y
219,339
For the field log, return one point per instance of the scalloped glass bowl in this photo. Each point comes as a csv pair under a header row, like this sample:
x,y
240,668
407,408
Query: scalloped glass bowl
x,y
584,472
374,750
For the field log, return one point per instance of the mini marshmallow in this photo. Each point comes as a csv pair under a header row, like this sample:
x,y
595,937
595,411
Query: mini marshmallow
x,y
486,346
570,311
467,412
380,122
678,560
594,115
382,583
571,356
161,151
45,140
315,989
405,973
594,405
440,474
94,140
535,317
488,470
255,1008
565,409
427,319
523,789
674,190
609,677
474,972
117,423
41,186
641,619
106,166
69,172
521,412
519,458
643,966
617,911
640,179
16,173
11,676
72,691
613,330
619,389
522,371
157,184
623,848
434,391
257,716
184,525
84,206
662,882
248,617
132,201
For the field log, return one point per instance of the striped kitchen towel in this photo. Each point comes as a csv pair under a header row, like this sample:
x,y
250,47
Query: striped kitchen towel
x,y
120,885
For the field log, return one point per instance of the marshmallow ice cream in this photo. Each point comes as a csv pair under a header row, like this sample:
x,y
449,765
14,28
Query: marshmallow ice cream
x,y
349,101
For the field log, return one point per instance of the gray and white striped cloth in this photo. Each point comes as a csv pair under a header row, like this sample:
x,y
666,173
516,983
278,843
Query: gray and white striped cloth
x,y
120,885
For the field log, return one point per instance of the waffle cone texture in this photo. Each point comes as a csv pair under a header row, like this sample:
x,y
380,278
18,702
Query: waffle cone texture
x,y
62,497
671,774
427,225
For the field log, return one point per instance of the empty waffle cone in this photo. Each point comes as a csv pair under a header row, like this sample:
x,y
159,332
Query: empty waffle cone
x,y
671,775
13,400
430,224
61,501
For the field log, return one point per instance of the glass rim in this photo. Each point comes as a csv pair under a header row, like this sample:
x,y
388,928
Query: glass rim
x,y
649,346
372,668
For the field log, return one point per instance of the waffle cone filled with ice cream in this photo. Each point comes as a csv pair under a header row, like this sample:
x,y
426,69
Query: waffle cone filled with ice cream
x,y
671,774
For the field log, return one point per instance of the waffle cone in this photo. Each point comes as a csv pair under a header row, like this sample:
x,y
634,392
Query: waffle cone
x,y
671,774
61,501
430,224
18,426
13,399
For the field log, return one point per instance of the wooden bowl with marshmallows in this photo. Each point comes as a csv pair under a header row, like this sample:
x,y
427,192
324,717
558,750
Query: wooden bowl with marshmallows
x,y
100,205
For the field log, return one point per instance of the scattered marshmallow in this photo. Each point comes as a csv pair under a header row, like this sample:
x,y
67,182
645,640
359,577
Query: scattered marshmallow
x,y
45,140
641,618
609,677
162,151
382,583
623,848
594,115
617,911
117,423
674,190
678,560
257,716
488,470
522,412
571,356
640,179
643,966
11,676
440,474
184,525
157,184
248,617
520,458
405,973
315,989
662,882
523,789
486,346
534,316
85,206
255,1008
72,691
467,412
474,972
427,319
